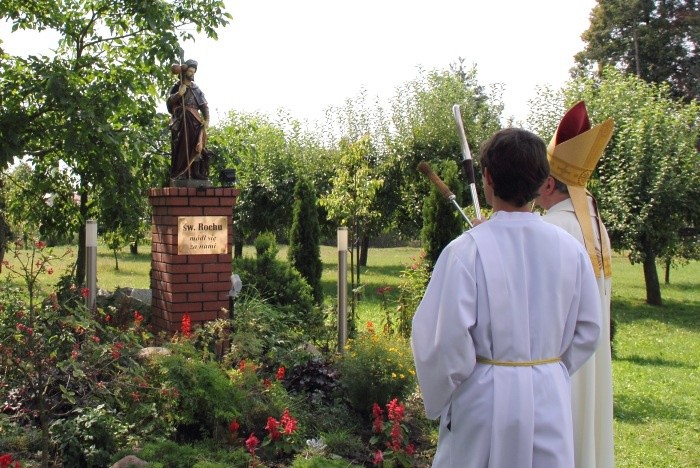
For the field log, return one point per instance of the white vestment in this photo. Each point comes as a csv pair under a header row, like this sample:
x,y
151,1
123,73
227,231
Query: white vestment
x,y
512,289
591,386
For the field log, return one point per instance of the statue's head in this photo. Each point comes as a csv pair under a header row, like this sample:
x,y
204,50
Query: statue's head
x,y
191,64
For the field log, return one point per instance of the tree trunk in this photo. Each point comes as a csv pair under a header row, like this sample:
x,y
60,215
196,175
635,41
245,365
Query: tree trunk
x,y
667,273
651,279
363,251
134,247
237,249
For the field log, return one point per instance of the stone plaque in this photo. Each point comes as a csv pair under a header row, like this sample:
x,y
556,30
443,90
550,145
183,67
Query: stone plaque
x,y
197,235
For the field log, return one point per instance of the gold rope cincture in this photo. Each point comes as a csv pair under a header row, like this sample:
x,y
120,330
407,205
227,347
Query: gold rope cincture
x,y
538,362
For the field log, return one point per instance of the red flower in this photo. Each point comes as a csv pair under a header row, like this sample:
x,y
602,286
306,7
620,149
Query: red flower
x,y
410,449
138,318
39,244
251,444
280,373
49,271
370,327
377,425
267,383
6,461
241,365
233,427
396,410
272,427
85,292
95,338
186,326
289,424
135,396
116,350
378,457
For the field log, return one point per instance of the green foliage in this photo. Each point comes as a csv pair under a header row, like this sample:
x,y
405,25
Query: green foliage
x,y
206,399
414,279
304,251
59,358
316,461
91,106
375,368
279,284
354,187
426,130
648,178
265,170
91,436
441,223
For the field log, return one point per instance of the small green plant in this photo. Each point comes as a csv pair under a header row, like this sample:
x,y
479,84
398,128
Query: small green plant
x,y
375,368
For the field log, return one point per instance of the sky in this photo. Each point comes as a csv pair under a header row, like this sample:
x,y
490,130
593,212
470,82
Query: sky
x,y
302,56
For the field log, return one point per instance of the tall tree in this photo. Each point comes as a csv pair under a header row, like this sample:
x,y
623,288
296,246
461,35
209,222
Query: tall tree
x,y
84,107
354,188
648,180
424,129
304,252
656,40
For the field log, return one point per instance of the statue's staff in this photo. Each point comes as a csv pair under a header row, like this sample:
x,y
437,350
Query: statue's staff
x,y
442,188
467,164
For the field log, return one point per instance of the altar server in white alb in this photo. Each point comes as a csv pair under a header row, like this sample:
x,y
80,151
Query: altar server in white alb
x,y
511,311
573,154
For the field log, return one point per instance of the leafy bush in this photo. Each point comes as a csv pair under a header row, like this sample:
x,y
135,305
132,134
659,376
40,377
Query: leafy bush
x,y
414,279
278,284
205,400
376,368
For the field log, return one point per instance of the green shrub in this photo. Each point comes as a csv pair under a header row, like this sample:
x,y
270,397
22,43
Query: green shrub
x,y
376,368
304,252
414,279
278,284
441,223
206,399
317,461
344,443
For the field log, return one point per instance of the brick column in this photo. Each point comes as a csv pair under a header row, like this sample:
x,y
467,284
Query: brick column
x,y
193,284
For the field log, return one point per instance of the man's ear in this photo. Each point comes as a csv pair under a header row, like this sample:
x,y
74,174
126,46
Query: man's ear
x,y
487,177
548,186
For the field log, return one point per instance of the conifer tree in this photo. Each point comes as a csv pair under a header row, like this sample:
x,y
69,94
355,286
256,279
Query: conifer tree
x,y
441,222
304,237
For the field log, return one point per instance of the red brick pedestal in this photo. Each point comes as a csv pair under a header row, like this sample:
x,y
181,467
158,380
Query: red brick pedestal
x,y
193,284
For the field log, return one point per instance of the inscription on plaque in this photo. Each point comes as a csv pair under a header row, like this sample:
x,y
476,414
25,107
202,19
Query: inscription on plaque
x,y
198,235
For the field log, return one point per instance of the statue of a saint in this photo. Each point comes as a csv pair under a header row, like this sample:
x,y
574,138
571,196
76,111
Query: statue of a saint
x,y
189,157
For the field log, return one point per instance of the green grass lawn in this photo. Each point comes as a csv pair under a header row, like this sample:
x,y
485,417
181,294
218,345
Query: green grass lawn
x,y
657,349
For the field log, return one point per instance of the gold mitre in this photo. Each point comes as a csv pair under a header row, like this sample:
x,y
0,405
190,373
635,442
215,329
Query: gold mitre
x,y
576,147
573,154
